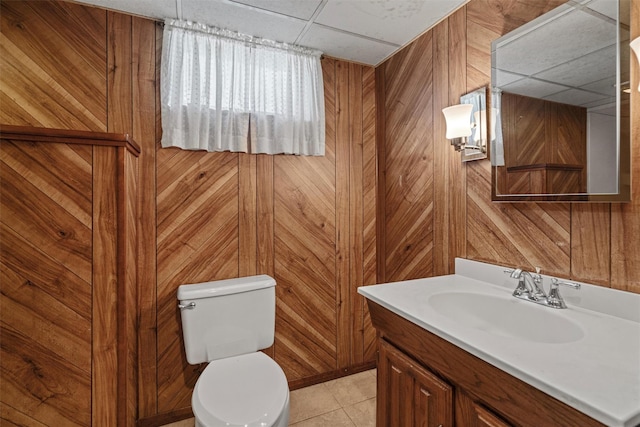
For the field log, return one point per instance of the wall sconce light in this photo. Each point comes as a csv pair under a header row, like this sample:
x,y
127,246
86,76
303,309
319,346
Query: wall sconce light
x,y
467,126
458,118
635,46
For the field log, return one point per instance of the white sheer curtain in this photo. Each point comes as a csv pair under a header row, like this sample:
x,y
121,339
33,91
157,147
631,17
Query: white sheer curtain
x,y
223,91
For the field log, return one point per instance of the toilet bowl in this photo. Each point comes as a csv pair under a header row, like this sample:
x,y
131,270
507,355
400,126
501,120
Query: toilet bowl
x,y
226,323
249,390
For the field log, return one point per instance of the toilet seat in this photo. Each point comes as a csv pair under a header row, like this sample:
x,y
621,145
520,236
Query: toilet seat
x,y
247,390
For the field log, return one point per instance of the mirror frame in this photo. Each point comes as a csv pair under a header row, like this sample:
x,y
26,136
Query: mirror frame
x,y
623,106
477,98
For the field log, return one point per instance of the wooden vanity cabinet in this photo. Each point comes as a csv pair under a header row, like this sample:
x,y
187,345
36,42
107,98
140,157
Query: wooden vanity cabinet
x,y
408,394
424,380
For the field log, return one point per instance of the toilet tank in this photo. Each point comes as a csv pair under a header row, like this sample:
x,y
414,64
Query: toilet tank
x,y
227,318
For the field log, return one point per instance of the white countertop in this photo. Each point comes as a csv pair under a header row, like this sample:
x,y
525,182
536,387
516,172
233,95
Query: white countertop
x,y
597,374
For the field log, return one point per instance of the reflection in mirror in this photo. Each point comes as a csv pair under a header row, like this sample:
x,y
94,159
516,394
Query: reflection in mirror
x,y
476,147
561,87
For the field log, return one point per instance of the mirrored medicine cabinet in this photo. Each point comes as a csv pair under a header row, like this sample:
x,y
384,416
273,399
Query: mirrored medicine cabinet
x,y
561,86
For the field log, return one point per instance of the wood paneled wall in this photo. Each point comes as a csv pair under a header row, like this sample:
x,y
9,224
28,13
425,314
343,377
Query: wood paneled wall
x,y
68,225
68,66
596,243
307,221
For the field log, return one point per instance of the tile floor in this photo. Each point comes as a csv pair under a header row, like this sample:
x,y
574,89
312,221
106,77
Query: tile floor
x,y
346,402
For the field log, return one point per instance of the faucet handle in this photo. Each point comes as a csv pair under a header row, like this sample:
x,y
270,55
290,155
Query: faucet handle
x,y
538,277
554,299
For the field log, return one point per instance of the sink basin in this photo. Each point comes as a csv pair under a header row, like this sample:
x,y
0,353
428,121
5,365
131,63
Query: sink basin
x,y
506,316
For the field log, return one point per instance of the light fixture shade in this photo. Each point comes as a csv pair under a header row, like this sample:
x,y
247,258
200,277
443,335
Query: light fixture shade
x,y
635,46
458,118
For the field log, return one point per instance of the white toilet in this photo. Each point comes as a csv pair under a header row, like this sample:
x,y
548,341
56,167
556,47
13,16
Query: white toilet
x,y
226,323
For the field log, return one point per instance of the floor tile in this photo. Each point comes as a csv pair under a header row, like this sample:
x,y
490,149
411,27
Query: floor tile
x,y
311,401
353,388
184,423
337,418
363,414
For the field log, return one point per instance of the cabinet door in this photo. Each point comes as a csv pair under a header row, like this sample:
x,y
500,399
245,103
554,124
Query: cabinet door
x,y
470,413
486,418
408,394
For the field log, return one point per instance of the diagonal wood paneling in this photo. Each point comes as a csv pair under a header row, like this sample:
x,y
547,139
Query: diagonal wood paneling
x,y
526,235
197,241
46,256
408,154
304,212
53,52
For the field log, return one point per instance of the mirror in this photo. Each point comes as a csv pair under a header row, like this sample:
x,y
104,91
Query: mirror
x,y
476,146
560,84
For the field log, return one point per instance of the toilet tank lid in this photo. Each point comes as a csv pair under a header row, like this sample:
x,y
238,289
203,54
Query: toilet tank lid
x,y
218,288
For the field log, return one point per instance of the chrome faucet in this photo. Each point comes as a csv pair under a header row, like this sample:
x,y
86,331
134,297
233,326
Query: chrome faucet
x,y
531,288
554,299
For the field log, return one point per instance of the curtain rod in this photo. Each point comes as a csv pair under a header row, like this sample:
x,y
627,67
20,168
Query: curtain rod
x,y
235,36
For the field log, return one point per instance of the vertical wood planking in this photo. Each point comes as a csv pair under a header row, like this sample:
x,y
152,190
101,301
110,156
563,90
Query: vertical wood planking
x,y
356,214
120,119
590,242
457,172
247,215
381,175
342,181
441,149
105,281
119,107
145,60
369,204
265,263
129,297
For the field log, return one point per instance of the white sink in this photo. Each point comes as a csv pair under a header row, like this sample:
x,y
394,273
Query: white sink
x,y
585,355
506,316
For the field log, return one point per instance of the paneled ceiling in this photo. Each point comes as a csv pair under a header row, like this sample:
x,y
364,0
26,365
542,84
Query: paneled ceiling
x,y
363,31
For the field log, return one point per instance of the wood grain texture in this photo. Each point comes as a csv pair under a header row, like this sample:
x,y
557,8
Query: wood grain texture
x,y
442,151
518,402
197,212
38,90
625,217
45,281
68,294
299,219
145,64
458,86
409,395
53,52
408,158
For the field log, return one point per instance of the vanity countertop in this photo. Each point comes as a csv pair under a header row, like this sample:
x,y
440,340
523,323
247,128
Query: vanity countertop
x,y
597,372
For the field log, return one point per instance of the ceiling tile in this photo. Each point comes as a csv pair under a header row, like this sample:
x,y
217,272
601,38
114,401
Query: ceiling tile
x,y
346,46
296,8
533,88
243,19
150,8
579,32
577,97
583,70
393,21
